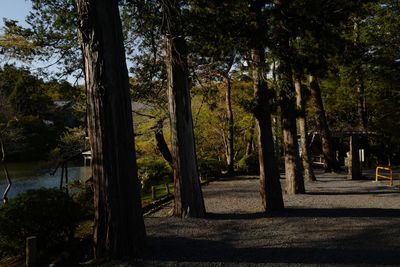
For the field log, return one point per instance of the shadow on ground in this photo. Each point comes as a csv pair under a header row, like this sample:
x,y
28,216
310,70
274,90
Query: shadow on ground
x,y
179,249
313,212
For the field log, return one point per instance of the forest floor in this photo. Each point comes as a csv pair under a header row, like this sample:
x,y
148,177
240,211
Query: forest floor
x,y
338,222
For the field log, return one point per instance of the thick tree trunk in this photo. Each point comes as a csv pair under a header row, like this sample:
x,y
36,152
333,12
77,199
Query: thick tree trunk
x,y
302,123
230,148
322,125
118,229
293,167
188,195
270,187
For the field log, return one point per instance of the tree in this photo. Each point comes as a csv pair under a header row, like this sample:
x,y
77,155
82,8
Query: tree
x,y
119,228
270,187
308,171
293,167
216,45
188,196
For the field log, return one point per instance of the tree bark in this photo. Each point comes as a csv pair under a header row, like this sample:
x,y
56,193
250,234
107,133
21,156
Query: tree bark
x,y
322,124
118,228
270,186
160,142
301,120
293,167
230,148
188,195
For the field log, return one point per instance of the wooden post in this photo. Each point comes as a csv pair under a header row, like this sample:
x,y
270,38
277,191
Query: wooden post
x,y
153,192
354,171
66,177
167,189
62,175
31,251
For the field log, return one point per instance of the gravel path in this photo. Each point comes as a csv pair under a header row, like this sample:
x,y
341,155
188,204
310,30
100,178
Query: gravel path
x,y
337,223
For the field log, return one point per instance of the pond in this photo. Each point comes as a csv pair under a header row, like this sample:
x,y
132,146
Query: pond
x,y
30,175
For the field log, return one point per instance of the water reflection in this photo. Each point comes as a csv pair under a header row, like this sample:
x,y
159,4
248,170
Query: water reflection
x,y
26,176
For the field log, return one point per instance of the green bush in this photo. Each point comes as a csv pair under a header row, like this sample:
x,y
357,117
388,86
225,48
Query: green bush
x,y
49,214
82,194
249,164
209,167
153,171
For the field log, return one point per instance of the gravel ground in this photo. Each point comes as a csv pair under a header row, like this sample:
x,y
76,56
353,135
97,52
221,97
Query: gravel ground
x,y
338,222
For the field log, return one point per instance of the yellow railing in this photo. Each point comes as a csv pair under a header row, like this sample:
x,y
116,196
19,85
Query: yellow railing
x,y
386,173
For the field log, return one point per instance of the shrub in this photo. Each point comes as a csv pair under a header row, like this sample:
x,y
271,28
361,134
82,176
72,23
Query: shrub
x,y
49,214
209,167
82,194
153,171
249,164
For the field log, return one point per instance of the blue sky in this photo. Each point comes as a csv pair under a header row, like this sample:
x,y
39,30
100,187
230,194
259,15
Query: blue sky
x,y
14,9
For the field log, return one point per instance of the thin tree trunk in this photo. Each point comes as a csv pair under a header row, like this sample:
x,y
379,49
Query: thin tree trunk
x,y
119,228
360,88
301,120
354,170
230,151
250,143
188,195
322,125
270,187
160,142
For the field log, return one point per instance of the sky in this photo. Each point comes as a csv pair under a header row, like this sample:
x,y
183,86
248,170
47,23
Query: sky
x,y
14,9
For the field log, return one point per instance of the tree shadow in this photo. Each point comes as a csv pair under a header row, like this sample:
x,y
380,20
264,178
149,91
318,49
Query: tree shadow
x,y
180,249
333,193
307,212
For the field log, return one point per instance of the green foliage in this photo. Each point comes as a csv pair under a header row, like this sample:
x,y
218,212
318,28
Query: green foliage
x,y
209,167
72,142
152,171
30,121
83,196
48,214
249,164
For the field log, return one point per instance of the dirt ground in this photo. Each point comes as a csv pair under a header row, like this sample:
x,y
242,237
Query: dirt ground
x,y
338,222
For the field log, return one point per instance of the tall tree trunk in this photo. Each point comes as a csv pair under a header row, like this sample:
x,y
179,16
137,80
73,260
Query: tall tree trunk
x,y
301,120
188,195
360,88
118,229
293,167
361,105
270,186
322,125
230,148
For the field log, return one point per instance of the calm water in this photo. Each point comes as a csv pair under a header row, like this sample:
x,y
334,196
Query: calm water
x,y
25,176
